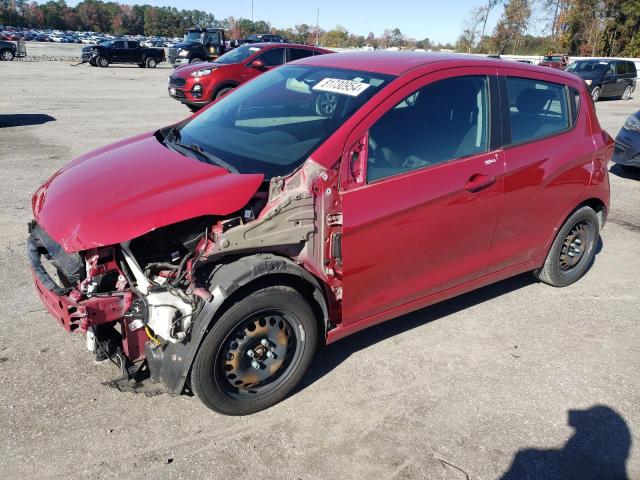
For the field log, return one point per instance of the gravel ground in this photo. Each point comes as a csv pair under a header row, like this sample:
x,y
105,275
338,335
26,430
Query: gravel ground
x,y
518,370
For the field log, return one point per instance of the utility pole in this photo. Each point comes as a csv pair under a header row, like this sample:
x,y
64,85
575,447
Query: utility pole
x,y
252,10
317,25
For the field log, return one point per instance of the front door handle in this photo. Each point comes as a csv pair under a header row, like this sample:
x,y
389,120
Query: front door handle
x,y
479,182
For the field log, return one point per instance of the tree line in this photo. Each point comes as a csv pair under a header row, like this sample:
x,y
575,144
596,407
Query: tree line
x,y
119,19
575,27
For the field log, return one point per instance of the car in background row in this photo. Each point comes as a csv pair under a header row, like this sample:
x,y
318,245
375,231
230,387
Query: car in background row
x,y
199,45
8,51
556,60
627,147
199,84
222,250
122,51
606,77
260,38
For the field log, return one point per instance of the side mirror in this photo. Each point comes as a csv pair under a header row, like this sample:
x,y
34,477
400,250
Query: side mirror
x,y
257,63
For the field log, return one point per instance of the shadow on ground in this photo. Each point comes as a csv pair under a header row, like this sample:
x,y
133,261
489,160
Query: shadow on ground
x,y
333,355
598,450
24,119
622,171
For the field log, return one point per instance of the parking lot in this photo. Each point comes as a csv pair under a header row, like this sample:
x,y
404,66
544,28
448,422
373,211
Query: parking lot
x,y
456,389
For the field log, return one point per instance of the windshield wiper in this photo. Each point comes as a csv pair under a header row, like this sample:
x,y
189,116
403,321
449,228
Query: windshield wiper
x,y
211,159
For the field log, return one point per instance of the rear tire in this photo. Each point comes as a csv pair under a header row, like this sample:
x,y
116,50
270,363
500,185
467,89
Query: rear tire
x,y
151,62
626,95
102,62
573,249
275,328
595,94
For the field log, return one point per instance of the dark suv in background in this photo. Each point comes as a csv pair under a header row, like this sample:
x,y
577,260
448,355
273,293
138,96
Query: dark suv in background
x,y
606,77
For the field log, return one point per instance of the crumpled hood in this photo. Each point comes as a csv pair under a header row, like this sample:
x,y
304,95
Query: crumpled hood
x,y
127,189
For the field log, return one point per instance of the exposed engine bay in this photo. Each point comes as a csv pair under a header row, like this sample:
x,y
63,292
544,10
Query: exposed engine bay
x,y
141,298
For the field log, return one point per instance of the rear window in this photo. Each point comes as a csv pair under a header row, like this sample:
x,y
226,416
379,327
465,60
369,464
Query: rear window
x,y
537,109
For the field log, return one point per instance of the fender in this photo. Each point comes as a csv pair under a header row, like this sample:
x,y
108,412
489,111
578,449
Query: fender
x,y
171,363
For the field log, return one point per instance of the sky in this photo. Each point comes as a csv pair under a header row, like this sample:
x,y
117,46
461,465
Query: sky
x,y
438,20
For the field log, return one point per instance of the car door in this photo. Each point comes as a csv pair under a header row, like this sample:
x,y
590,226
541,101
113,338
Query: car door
x,y
610,82
272,58
119,51
548,153
133,54
423,219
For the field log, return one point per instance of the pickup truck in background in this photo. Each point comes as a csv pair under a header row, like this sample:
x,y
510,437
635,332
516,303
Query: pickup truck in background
x,y
122,51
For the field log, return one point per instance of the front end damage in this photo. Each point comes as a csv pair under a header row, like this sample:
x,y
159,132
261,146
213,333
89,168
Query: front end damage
x,y
147,303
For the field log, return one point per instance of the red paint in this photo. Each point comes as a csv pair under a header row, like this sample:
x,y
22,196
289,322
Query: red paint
x,y
120,192
227,75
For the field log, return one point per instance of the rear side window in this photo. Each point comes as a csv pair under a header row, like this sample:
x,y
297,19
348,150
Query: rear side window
x,y
298,53
621,68
631,68
537,108
131,44
442,121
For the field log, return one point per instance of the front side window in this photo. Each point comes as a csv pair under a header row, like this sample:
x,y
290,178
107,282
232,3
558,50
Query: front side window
x,y
537,108
118,44
273,57
273,123
442,121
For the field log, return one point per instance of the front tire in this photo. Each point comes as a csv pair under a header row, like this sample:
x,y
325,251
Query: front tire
x,y
573,249
595,94
256,353
195,60
102,62
6,55
223,92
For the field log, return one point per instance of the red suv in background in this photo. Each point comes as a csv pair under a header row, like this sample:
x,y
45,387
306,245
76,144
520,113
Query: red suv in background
x,y
198,84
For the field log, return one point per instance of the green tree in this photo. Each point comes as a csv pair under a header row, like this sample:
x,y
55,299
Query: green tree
x,y
336,38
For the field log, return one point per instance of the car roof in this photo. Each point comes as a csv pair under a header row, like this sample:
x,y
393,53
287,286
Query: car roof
x,y
398,63
281,45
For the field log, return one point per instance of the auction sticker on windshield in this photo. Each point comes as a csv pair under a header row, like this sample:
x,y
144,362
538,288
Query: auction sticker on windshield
x,y
343,87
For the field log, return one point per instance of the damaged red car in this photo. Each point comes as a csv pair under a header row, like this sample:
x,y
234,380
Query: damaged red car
x,y
325,196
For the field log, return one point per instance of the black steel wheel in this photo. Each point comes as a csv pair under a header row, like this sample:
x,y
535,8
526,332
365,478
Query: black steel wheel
x,y
573,249
256,352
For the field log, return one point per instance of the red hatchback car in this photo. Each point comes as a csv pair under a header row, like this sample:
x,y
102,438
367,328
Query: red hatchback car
x,y
198,84
322,197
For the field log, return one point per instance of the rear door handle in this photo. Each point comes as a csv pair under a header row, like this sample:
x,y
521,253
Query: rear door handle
x,y
479,182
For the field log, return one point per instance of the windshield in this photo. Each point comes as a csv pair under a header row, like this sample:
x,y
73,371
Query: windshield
x,y
552,58
193,37
587,66
238,55
273,123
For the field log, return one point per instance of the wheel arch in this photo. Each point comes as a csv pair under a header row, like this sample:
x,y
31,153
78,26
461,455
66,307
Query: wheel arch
x,y
228,282
228,84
